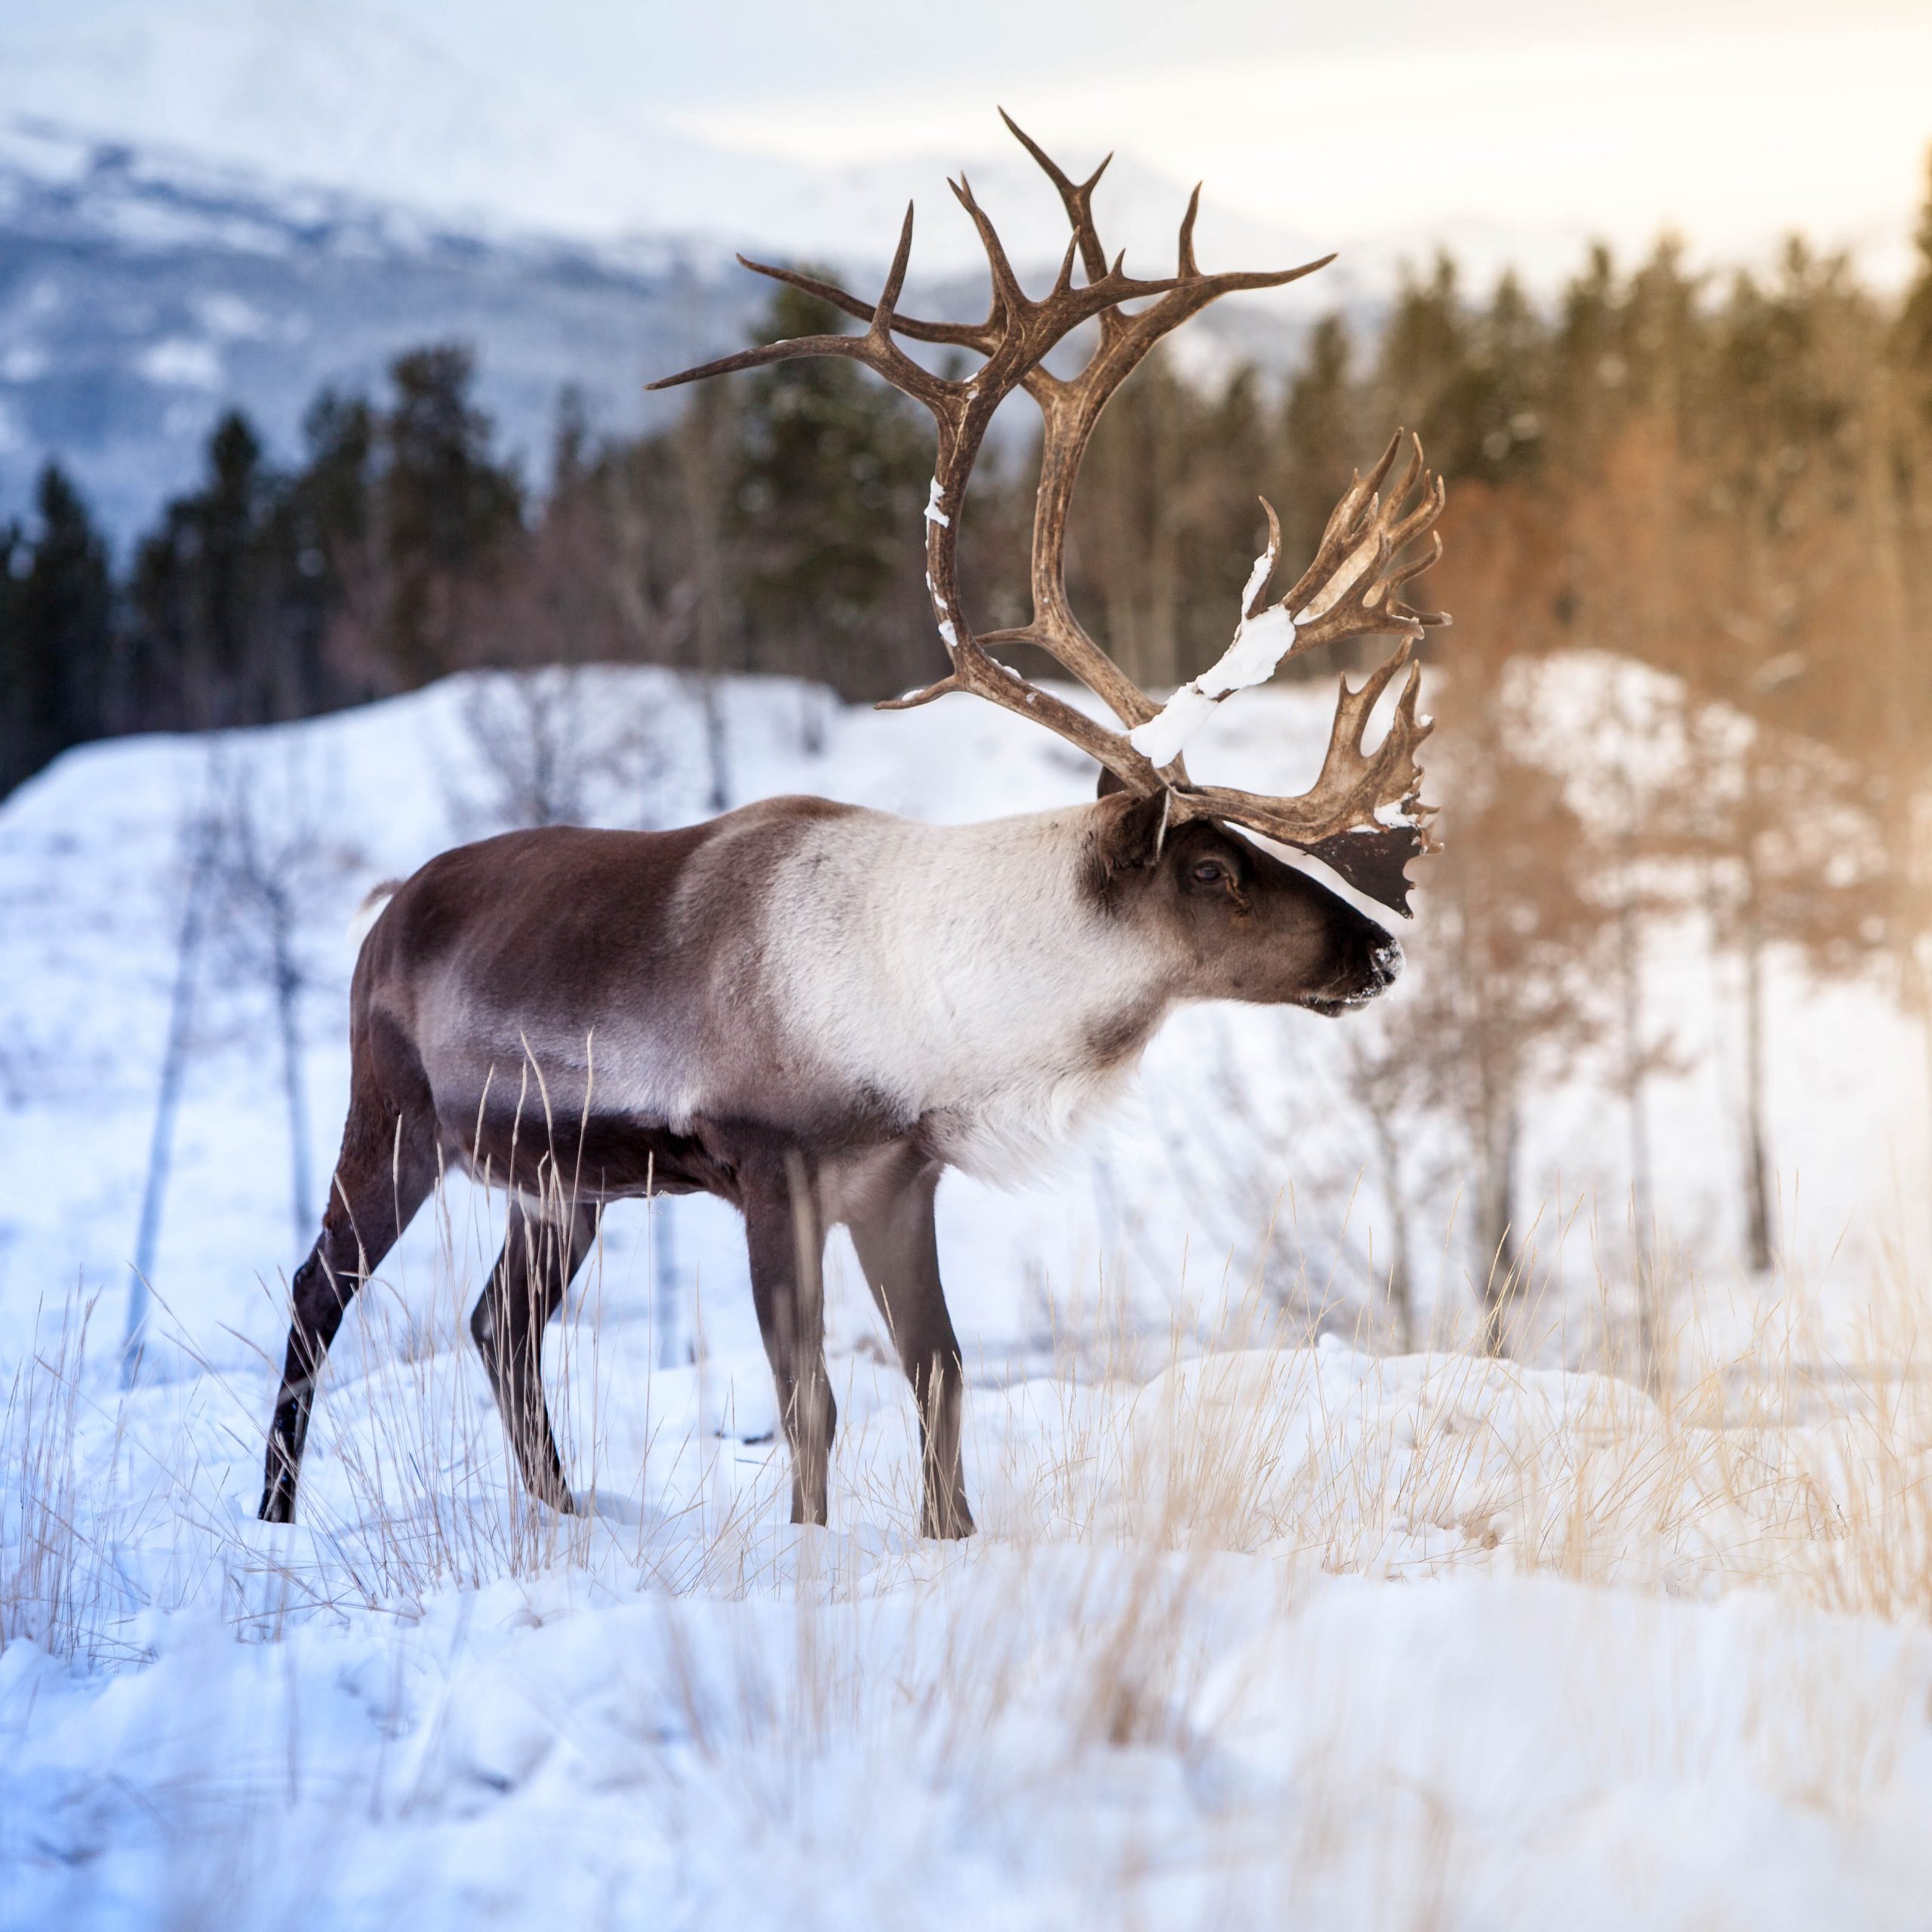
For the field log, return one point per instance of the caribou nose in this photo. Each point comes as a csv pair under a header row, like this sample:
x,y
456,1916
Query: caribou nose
x,y
1385,961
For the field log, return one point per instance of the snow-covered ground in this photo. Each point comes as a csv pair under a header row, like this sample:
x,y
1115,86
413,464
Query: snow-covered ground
x,y
1257,1626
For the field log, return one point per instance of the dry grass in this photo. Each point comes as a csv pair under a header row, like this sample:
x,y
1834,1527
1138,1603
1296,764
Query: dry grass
x,y
1167,1525
49,1591
1781,1461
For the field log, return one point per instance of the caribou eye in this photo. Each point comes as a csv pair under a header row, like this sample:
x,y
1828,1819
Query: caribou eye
x,y
1210,871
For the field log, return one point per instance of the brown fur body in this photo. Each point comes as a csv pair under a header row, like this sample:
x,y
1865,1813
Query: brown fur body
x,y
808,1010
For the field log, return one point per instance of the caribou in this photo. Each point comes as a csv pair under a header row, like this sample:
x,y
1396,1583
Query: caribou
x,y
812,1010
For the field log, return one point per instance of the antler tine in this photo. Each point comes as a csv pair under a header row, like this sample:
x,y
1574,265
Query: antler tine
x,y
1374,481
1354,598
1188,266
957,335
1352,710
1007,294
1360,537
852,348
826,291
1256,600
1422,518
1063,311
875,348
1411,469
1076,197
895,279
1363,491
1064,281
1427,560
1347,513
1407,614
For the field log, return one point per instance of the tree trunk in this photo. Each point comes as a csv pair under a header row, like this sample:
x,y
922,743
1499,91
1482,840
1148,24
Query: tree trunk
x,y
1758,1219
1643,1210
666,1301
294,1088
161,1144
717,745
1497,1234
698,461
1401,1286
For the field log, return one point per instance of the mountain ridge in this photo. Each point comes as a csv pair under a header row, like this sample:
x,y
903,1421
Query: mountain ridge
x,y
140,296
144,290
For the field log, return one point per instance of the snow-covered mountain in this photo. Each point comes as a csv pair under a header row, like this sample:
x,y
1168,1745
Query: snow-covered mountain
x,y
143,291
336,93
239,201
139,297
236,200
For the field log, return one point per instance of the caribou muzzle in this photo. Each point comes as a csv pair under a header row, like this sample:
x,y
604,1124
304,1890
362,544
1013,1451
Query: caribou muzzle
x,y
1371,964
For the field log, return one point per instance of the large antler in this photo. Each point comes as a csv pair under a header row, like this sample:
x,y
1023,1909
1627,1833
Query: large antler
x,y
1347,591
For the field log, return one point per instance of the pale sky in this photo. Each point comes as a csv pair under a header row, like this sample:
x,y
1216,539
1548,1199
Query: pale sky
x,y
1530,124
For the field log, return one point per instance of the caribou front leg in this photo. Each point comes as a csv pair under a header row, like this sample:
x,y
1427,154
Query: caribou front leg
x,y
899,1249
784,1238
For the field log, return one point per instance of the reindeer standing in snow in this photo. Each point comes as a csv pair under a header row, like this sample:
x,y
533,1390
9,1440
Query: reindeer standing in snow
x,y
812,1010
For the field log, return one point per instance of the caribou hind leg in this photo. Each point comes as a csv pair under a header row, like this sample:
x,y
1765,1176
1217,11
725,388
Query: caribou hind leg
x,y
899,1249
541,1255
384,1174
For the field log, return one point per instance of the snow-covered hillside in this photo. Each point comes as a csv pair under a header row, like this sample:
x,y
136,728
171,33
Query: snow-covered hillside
x,y
1239,1109
1297,1634
140,295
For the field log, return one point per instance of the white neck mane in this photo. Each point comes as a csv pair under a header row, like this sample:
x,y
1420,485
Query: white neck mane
x,y
964,973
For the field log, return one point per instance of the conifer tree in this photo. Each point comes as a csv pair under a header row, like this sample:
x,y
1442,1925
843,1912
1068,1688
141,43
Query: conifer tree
x,y
831,477
15,559
1500,398
329,510
1419,364
56,647
1513,930
1911,339
443,507
1323,440
1129,524
1165,524
211,590
1905,520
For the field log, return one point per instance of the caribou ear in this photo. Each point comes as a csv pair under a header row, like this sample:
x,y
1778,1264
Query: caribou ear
x,y
1109,782
1133,831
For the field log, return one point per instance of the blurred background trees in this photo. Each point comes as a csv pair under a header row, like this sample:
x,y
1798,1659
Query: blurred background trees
x,y
1729,480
